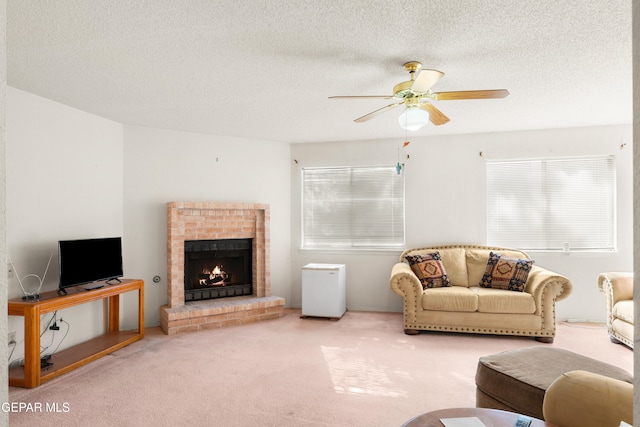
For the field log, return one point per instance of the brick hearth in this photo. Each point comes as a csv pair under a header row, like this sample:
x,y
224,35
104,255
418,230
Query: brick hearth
x,y
211,221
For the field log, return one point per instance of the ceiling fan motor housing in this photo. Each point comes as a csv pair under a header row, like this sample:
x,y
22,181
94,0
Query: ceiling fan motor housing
x,y
403,90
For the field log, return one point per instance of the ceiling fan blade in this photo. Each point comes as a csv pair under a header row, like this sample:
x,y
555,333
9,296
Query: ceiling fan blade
x,y
470,94
435,116
426,79
362,97
377,112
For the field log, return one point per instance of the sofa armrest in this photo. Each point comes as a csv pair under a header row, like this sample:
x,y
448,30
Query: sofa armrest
x,y
404,282
585,399
544,284
617,285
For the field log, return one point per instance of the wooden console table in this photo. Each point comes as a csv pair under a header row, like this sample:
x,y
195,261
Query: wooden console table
x,y
30,375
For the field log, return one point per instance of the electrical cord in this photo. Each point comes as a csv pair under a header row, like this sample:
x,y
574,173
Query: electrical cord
x,y
46,347
15,344
16,363
46,327
53,328
63,337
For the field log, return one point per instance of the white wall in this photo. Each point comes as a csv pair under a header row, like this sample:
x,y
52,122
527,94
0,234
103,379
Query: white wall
x,y
445,203
636,202
163,166
4,389
64,181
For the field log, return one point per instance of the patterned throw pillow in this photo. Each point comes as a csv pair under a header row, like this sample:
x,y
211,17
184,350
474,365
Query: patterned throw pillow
x,y
506,273
429,269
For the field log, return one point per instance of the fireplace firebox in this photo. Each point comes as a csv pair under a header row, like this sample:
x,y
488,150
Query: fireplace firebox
x,y
217,269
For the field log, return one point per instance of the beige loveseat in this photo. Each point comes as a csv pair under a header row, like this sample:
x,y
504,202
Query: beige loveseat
x,y
617,288
465,306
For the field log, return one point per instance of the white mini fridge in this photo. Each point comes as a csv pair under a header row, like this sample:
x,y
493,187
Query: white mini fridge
x,y
324,290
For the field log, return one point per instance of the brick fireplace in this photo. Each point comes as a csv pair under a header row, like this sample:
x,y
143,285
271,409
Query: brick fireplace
x,y
212,221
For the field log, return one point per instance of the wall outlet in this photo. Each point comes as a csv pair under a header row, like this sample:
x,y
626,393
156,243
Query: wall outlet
x,y
12,338
10,273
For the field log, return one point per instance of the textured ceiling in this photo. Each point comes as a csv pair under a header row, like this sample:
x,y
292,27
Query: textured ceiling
x,y
265,69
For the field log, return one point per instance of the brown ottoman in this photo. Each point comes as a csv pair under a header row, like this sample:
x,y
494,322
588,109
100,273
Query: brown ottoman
x,y
517,380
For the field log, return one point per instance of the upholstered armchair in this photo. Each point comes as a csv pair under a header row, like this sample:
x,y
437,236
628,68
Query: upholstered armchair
x,y
585,399
618,292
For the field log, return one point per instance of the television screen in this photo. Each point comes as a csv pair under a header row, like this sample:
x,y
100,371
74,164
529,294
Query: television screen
x,y
89,260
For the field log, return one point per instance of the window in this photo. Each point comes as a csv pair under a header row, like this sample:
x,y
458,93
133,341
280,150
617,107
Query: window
x,y
552,204
352,207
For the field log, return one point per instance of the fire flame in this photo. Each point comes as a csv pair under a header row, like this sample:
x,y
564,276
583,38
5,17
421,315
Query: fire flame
x,y
216,272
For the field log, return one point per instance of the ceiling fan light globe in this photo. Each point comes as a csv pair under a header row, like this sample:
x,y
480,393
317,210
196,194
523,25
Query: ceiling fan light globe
x,y
413,119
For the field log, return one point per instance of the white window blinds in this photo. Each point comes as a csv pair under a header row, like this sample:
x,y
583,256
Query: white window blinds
x,y
352,207
552,204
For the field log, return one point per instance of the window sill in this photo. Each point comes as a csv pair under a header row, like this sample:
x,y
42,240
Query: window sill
x,y
586,254
354,251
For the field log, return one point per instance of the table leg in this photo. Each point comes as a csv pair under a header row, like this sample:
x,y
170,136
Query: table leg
x,y
114,313
141,310
32,347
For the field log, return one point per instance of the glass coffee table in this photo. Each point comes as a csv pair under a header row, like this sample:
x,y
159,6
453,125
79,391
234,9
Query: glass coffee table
x,y
488,417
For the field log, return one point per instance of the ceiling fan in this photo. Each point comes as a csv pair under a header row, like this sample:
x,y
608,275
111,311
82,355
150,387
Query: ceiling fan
x,y
416,93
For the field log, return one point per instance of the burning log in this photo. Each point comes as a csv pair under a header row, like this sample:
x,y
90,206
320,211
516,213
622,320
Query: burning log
x,y
215,277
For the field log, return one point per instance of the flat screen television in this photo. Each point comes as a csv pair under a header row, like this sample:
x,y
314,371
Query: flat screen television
x,y
89,262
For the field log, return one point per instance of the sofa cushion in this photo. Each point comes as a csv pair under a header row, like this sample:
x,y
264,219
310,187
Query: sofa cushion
x,y
477,262
453,298
456,265
429,269
504,301
504,272
624,310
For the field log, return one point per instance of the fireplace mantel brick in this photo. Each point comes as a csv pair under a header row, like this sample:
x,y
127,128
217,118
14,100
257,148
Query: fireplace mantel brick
x,y
212,221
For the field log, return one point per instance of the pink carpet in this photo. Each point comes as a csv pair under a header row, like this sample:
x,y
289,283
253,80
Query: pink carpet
x,y
359,371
